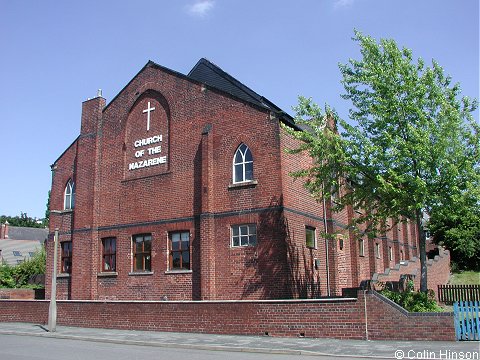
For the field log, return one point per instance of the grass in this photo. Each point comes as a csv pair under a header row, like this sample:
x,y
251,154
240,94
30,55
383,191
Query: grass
x,y
465,278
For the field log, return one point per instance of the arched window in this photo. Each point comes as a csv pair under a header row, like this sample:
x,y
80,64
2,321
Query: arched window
x,y
69,197
242,165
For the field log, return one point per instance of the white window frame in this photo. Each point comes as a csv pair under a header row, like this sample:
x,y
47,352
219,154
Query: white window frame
x,y
243,230
243,163
377,250
361,247
69,196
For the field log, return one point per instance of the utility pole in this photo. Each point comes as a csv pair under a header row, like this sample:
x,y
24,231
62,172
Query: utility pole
x,y
52,310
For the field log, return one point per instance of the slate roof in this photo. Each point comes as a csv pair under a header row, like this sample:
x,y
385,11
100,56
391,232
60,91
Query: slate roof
x,y
14,252
210,74
27,233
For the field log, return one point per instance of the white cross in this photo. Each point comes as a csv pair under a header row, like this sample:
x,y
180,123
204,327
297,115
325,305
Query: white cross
x,y
148,110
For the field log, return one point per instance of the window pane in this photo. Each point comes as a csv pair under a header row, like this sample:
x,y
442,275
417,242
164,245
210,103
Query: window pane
x,y
248,156
107,263
175,236
185,245
147,247
67,265
244,240
138,263
185,236
186,260
243,230
238,157
249,171
67,202
138,245
175,245
176,260
253,240
148,263
310,237
235,230
236,241
252,229
239,173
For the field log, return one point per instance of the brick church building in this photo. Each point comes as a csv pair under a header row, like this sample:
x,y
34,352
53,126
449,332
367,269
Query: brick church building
x,y
179,189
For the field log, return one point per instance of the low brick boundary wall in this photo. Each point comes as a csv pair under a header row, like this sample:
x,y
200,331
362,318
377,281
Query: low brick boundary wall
x,y
333,318
389,321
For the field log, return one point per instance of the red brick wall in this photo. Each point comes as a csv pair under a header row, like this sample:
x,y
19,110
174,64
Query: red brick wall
x,y
341,319
438,271
24,294
387,321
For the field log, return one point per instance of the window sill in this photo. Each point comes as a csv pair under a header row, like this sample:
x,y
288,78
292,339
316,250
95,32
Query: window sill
x,y
174,272
63,275
245,184
62,212
107,274
140,273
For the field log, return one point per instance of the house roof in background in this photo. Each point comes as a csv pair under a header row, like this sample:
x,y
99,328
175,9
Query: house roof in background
x,y
27,233
14,252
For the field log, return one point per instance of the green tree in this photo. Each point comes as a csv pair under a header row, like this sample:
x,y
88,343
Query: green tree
x,y
412,145
457,227
22,220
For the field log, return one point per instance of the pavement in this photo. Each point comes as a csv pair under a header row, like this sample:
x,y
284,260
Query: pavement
x,y
256,344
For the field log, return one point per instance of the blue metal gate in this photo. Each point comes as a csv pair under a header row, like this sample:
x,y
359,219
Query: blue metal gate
x,y
467,320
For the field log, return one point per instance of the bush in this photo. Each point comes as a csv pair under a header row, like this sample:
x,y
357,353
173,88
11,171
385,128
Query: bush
x,y
18,276
413,301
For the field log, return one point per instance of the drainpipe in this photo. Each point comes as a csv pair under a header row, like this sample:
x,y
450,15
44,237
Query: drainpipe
x,y
326,245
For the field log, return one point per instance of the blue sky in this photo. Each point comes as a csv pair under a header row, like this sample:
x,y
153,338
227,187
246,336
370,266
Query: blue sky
x,y
56,54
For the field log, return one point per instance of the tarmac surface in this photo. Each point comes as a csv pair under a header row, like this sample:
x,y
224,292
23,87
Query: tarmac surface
x,y
257,344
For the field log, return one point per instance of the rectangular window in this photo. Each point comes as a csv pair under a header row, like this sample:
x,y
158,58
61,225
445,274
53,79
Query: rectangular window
x,y
179,247
377,250
244,235
310,238
142,252
66,257
109,254
390,253
361,247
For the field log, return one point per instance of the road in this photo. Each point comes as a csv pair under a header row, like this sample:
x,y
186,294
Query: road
x,y
15,347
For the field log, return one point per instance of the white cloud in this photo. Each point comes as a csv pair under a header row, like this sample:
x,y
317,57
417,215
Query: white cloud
x,y
338,4
200,8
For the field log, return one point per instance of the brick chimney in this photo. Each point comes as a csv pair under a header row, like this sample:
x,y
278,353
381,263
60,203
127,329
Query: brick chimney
x,y
92,114
4,231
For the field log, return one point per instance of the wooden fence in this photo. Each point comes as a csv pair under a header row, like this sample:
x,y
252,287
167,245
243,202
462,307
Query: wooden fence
x,y
448,294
